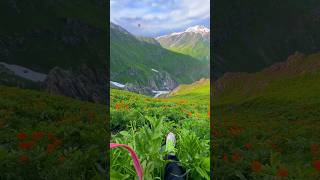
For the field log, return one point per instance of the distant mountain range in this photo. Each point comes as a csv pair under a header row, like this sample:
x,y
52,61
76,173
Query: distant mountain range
x,y
142,65
299,69
194,41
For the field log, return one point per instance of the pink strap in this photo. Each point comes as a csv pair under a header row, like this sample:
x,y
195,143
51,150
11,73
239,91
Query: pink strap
x,y
134,156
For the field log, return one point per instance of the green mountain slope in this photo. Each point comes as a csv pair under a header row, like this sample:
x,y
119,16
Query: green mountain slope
x,y
43,34
251,35
198,91
132,60
55,137
193,43
270,117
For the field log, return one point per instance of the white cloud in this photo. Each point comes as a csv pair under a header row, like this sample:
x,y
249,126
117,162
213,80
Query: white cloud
x,y
158,15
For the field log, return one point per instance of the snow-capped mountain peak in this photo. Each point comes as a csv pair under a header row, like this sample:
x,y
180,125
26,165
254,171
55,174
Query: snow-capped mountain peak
x,y
198,29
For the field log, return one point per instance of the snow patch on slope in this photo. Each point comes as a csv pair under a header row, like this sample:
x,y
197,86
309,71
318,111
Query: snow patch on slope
x,y
154,70
158,93
117,84
25,72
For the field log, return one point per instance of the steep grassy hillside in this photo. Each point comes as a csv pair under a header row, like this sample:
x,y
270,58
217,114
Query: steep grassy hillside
x,y
198,91
266,124
250,35
143,123
132,60
199,50
43,34
50,137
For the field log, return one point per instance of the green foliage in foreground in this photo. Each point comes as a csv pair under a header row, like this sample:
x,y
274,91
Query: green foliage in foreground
x,y
50,137
273,119
143,123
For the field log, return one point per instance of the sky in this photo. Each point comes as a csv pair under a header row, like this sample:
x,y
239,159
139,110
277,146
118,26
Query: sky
x,y
153,18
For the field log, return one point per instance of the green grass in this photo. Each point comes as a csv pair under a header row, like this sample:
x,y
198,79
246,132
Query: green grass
x,y
71,142
200,50
271,117
143,123
196,92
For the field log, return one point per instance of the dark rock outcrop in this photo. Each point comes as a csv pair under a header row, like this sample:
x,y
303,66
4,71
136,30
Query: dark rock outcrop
x,y
138,89
162,81
86,83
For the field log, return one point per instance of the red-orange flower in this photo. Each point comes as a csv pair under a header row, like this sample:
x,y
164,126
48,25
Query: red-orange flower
x,y
235,156
22,135
26,145
312,174
282,172
118,106
61,159
275,147
24,158
316,164
189,114
50,148
91,116
216,133
256,166
234,130
57,142
314,149
248,146
225,157
51,136
37,135
2,124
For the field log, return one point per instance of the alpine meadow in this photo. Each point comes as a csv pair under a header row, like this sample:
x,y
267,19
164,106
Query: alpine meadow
x,y
266,90
160,86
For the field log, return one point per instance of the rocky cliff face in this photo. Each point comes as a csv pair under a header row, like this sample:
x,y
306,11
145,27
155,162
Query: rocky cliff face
x,y
162,81
85,83
138,89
